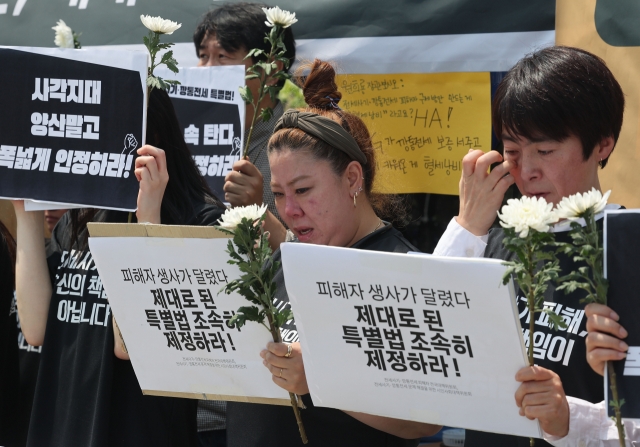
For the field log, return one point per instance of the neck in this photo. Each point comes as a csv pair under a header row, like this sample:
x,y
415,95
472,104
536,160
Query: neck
x,y
266,102
367,220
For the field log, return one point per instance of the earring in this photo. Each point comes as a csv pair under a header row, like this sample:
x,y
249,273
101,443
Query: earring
x,y
355,195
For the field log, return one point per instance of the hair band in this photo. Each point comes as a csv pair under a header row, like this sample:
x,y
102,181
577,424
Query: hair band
x,y
324,129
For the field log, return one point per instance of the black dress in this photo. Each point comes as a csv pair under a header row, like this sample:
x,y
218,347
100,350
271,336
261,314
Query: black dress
x,y
9,369
85,396
256,425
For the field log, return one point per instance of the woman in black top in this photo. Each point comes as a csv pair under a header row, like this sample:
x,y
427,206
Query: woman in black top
x,y
9,369
87,393
323,168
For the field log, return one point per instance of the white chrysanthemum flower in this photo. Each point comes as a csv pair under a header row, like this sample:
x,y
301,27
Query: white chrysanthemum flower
x,y
64,35
277,16
233,216
574,207
160,25
527,213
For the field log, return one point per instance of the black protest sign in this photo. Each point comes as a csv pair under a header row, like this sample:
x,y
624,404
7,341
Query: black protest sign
x,y
622,257
210,111
69,129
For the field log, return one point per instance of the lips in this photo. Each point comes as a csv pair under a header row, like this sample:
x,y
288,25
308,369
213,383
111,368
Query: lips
x,y
303,233
538,194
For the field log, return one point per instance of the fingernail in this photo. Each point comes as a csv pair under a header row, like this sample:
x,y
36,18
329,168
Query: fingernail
x,y
623,332
264,362
614,316
470,150
622,355
623,346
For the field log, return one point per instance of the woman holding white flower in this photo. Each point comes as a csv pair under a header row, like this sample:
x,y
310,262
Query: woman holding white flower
x,y
87,393
322,171
558,113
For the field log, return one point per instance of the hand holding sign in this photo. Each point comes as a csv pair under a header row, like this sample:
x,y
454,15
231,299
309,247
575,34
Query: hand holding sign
x,y
286,366
243,185
151,172
603,341
541,396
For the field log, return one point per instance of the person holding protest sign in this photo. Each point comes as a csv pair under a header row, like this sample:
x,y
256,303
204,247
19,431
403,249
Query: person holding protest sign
x,y
322,172
86,395
586,424
224,36
558,112
9,367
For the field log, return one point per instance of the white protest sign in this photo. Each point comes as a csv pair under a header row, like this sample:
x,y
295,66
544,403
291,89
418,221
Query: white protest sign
x,y
211,112
163,292
408,336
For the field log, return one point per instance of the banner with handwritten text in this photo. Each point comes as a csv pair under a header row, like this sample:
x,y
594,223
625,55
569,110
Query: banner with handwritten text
x,y
421,125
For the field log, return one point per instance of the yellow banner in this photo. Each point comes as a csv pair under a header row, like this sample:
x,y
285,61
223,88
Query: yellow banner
x,y
421,125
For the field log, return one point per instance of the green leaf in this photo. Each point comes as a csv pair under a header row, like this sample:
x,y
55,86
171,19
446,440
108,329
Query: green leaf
x,y
280,318
246,94
266,114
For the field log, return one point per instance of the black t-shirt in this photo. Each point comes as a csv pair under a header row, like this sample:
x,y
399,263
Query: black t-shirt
x,y
255,425
9,370
85,396
29,358
562,351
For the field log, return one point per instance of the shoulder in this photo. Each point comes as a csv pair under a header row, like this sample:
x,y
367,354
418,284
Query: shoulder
x,y
386,239
205,214
61,235
495,247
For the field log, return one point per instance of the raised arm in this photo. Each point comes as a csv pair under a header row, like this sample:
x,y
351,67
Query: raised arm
x,y
33,284
481,194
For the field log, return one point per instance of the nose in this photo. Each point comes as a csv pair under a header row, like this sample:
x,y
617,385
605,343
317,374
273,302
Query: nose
x,y
528,166
292,207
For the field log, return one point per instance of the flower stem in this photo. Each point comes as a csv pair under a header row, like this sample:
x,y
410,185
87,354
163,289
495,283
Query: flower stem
x,y
613,385
531,302
275,333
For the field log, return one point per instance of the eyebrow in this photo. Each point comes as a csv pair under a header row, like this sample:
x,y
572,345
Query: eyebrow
x,y
295,180
541,139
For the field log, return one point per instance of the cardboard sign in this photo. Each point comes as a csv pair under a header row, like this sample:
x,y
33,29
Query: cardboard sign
x,y
407,336
211,112
163,283
622,257
70,123
422,125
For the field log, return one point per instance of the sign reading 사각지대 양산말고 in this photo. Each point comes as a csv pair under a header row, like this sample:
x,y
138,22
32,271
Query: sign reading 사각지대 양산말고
x,y
421,125
71,123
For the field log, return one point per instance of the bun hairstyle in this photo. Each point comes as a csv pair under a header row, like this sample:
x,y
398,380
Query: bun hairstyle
x,y
321,95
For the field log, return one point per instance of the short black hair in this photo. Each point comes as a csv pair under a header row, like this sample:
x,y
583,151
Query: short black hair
x,y
241,25
558,92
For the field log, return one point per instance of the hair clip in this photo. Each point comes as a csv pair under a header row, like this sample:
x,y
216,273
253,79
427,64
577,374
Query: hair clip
x,y
333,102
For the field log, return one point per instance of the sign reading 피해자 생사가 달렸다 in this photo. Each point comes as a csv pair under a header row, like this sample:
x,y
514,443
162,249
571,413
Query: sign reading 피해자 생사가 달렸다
x,y
163,284
71,122
423,338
